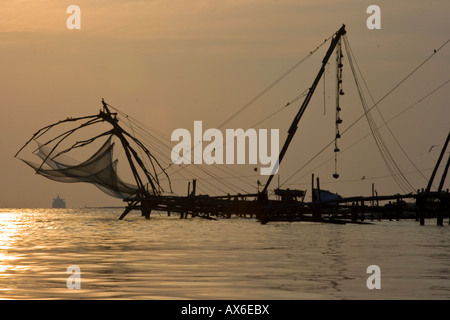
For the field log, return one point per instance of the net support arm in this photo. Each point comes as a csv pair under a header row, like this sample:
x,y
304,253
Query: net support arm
x,y
294,125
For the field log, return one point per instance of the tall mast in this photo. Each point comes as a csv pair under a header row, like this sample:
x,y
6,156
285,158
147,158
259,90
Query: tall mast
x,y
108,116
294,125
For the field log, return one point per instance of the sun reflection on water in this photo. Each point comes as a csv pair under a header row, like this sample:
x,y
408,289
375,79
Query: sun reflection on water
x,y
166,258
8,231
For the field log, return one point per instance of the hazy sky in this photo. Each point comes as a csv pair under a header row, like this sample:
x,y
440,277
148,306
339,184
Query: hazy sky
x,y
170,62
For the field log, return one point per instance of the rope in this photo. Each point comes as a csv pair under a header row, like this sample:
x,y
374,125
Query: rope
x,y
369,134
388,159
365,178
273,84
381,99
146,137
379,112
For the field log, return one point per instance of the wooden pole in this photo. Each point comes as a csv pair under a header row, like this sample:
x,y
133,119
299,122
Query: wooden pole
x,y
380,212
420,207
318,190
362,211
354,211
440,213
294,126
444,175
438,163
317,215
373,201
194,186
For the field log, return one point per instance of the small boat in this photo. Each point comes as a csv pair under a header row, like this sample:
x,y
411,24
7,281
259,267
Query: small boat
x,y
58,203
325,195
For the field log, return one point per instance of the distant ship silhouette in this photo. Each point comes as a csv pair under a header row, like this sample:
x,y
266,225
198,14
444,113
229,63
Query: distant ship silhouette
x,y
58,203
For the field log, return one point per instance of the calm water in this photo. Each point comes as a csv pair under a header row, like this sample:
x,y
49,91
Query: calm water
x,y
168,258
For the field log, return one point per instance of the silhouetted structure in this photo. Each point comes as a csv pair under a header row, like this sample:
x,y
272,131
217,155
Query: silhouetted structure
x,y
146,194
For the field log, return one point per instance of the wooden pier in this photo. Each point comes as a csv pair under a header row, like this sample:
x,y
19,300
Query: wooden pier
x,y
357,209
360,209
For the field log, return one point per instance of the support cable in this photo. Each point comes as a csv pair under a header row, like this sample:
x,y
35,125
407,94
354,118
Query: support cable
x,y
381,99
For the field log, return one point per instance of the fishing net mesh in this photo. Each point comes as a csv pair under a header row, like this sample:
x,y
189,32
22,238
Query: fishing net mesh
x,y
100,169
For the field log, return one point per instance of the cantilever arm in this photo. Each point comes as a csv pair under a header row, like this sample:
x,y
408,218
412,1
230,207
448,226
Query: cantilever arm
x,y
151,158
83,143
45,129
64,136
295,122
